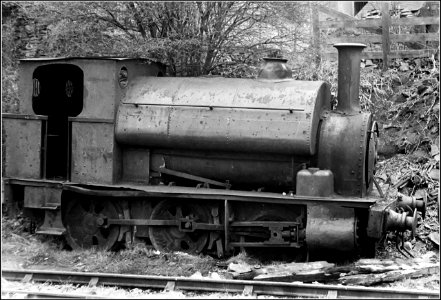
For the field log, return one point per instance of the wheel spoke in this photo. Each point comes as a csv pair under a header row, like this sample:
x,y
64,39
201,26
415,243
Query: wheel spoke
x,y
75,218
168,215
171,238
86,241
189,241
102,241
91,208
178,212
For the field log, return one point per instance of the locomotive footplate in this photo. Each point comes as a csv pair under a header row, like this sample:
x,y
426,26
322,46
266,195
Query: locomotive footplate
x,y
184,193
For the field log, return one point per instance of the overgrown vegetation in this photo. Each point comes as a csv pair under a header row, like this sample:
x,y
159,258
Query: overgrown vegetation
x,y
219,38
404,100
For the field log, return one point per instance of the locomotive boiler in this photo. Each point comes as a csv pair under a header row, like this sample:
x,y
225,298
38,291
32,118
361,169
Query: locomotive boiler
x,y
107,151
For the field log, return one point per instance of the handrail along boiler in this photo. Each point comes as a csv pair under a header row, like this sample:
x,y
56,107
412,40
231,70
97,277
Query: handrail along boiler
x,y
107,150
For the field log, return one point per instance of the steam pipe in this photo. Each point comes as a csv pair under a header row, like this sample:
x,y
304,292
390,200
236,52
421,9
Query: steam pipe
x,y
349,58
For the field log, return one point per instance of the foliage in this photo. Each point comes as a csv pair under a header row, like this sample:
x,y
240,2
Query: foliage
x,y
403,99
192,38
412,112
9,62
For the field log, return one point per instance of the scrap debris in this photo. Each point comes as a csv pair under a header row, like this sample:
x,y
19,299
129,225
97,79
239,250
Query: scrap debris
x,y
364,272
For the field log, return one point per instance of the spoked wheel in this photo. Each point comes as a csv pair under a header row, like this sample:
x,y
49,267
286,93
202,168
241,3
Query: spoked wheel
x,y
84,220
170,238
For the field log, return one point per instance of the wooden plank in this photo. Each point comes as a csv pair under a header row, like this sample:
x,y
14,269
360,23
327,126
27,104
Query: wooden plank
x,y
416,37
365,39
375,278
333,12
376,39
170,286
373,28
385,40
415,21
369,23
248,290
93,281
362,272
392,54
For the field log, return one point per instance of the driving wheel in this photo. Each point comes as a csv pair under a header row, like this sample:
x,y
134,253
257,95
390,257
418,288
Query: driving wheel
x,y
171,238
84,221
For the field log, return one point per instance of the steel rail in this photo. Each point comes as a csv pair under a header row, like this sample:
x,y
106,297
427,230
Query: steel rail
x,y
50,295
211,285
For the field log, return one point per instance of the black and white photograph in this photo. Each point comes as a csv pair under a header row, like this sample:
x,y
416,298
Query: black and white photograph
x,y
220,149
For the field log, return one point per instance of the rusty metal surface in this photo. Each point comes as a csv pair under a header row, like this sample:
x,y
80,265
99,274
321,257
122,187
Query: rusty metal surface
x,y
53,224
330,228
349,58
222,114
23,117
218,129
343,149
194,178
135,165
238,168
39,197
315,182
184,193
11,196
99,88
83,220
22,147
101,91
224,92
376,221
92,153
274,68
371,157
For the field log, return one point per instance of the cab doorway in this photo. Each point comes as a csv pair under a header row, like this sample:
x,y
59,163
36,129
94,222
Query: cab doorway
x,y
58,94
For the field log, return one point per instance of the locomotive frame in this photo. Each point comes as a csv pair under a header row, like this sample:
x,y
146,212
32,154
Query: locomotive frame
x,y
76,163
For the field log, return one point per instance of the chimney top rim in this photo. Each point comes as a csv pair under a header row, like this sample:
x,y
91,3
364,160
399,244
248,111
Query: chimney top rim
x,y
275,59
349,45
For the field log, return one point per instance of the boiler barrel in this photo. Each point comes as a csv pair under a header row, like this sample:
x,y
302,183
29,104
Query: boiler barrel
x,y
222,114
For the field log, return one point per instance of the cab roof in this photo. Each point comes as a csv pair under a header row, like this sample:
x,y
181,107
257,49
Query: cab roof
x,y
87,58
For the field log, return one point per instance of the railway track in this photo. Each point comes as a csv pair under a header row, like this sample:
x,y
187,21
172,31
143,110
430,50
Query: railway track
x,y
47,295
246,287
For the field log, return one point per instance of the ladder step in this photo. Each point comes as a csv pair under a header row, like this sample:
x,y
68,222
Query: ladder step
x,y
51,207
51,231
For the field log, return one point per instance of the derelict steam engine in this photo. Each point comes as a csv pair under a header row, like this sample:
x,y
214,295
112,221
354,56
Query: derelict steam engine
x,y
107,150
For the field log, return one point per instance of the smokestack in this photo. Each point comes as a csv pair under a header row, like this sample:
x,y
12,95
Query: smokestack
x,y
349,58
274,68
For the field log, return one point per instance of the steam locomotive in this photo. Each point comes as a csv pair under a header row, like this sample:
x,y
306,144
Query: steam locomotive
x,y
108,150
